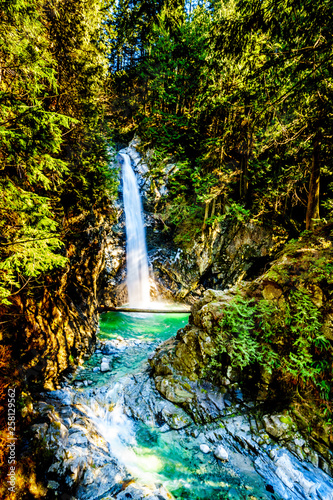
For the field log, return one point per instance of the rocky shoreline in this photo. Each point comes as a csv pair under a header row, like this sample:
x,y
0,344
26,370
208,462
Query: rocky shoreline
x,y
85,467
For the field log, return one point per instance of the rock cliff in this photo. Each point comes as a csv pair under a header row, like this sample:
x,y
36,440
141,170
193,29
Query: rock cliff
x,y
55,325
220,255
289,370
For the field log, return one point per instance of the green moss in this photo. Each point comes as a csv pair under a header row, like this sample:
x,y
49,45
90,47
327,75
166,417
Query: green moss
x,y
286,420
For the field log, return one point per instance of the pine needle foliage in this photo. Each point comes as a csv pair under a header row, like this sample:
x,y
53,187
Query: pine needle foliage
x,y
254,333
54,146
242,91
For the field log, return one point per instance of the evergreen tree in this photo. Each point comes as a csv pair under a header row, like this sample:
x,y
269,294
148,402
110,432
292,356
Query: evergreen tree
x,y
54,146
296,78
30,147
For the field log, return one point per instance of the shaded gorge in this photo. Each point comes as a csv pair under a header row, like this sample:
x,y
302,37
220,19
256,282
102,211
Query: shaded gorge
x,y
114,436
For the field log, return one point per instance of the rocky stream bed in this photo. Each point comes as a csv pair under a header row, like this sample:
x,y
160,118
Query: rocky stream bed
x,y
113,436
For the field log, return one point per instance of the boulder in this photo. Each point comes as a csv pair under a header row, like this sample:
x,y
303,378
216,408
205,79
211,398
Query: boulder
x,y
174,390
221,453
205,448
278,426
105,366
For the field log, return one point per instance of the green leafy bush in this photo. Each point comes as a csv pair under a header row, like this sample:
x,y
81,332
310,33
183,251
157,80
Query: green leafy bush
x,y
285,338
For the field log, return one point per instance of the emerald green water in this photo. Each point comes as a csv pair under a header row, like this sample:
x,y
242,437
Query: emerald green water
x,y
142,326
153,456
142,332
188,473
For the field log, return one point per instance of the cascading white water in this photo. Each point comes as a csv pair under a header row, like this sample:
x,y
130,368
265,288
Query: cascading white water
x,y
136,249
118,430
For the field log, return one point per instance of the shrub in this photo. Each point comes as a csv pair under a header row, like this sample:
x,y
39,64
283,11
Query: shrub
x,y
286,339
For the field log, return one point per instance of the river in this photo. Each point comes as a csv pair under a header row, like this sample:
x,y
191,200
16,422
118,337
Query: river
x,y
155,449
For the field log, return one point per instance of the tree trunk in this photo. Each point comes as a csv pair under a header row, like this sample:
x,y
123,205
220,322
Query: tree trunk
x,y
244,183
206,216
213,208
244,176
312,211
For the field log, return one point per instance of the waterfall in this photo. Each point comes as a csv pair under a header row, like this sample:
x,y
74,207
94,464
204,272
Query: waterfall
x,y
136,249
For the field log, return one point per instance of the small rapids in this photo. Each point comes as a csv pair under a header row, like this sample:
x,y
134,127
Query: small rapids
x,y
114,437
153,439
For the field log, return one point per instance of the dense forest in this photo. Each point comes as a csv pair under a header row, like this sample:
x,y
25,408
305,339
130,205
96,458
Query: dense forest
x,y
237,94
55,154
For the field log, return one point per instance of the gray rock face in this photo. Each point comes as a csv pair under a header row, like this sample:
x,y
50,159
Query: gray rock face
x,y
290,477
60,325
85,464
278,426
144,402
219,256
178,369
113,286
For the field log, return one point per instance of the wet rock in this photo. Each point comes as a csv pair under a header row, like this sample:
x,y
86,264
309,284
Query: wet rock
x,y
221,453
107,480
174,390
77,438
53,485
176,418
136,492
204,448
144,402
105,365
110,347
234,494
86,465
42,407
64,396
278,426
180,364
57,432
296,477
39,430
